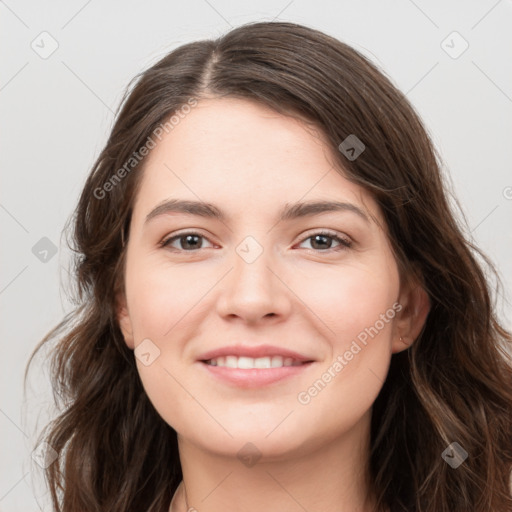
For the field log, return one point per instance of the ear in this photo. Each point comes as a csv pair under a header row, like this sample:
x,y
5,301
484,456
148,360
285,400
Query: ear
x,y
409,321
123,318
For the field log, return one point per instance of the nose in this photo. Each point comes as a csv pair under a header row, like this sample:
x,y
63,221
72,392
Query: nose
x,y
254,291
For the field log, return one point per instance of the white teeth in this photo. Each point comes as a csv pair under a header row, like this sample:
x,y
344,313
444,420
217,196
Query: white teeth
x,y
248,363
231,362
276,362
262,362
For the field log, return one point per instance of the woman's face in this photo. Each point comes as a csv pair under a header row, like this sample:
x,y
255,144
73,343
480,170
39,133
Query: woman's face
x,y
251,280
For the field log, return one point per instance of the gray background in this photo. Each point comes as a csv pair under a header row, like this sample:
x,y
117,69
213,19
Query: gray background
x,y
57,111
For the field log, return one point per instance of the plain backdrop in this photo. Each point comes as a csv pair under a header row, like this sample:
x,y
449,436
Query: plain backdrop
x,y
64,67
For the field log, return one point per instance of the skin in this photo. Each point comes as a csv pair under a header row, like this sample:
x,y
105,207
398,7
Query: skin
x,y
315,299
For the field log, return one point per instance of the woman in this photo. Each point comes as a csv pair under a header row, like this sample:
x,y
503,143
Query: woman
x,y
278,309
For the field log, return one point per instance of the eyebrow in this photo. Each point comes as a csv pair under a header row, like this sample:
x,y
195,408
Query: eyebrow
x,y
288,212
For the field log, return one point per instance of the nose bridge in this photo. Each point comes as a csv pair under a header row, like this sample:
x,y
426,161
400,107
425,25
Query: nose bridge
x,y
251,273
252,291
252,262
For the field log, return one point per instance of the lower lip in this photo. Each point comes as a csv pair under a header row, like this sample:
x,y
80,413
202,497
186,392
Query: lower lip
x,y
254,377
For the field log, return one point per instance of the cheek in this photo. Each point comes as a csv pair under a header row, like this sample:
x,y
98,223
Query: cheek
x,y
162,297
349,298
356,305
163,302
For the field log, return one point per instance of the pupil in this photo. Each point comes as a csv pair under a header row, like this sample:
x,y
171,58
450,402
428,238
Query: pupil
x,y
321,237
189,237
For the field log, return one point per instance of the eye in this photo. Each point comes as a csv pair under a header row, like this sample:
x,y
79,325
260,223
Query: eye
x,y
322,243
188,239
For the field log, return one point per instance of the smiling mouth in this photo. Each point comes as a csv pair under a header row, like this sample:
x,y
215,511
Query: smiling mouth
x,y
248,372
248,363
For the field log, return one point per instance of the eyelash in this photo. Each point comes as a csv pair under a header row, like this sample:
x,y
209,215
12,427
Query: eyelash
x,y
345,243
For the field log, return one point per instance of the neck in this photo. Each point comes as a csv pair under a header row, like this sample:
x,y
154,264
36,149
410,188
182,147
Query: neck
x,y
328,476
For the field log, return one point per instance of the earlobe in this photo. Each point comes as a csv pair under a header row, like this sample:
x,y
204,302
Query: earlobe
x,y
411,318
124,321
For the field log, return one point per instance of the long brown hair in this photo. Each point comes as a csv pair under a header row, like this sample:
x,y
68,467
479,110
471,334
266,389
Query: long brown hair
x,y
454,384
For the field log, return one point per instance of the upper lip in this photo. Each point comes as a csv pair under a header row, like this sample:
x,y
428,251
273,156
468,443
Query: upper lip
x,y
252,351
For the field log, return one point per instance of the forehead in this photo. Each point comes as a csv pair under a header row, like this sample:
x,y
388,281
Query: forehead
x,y
243,155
